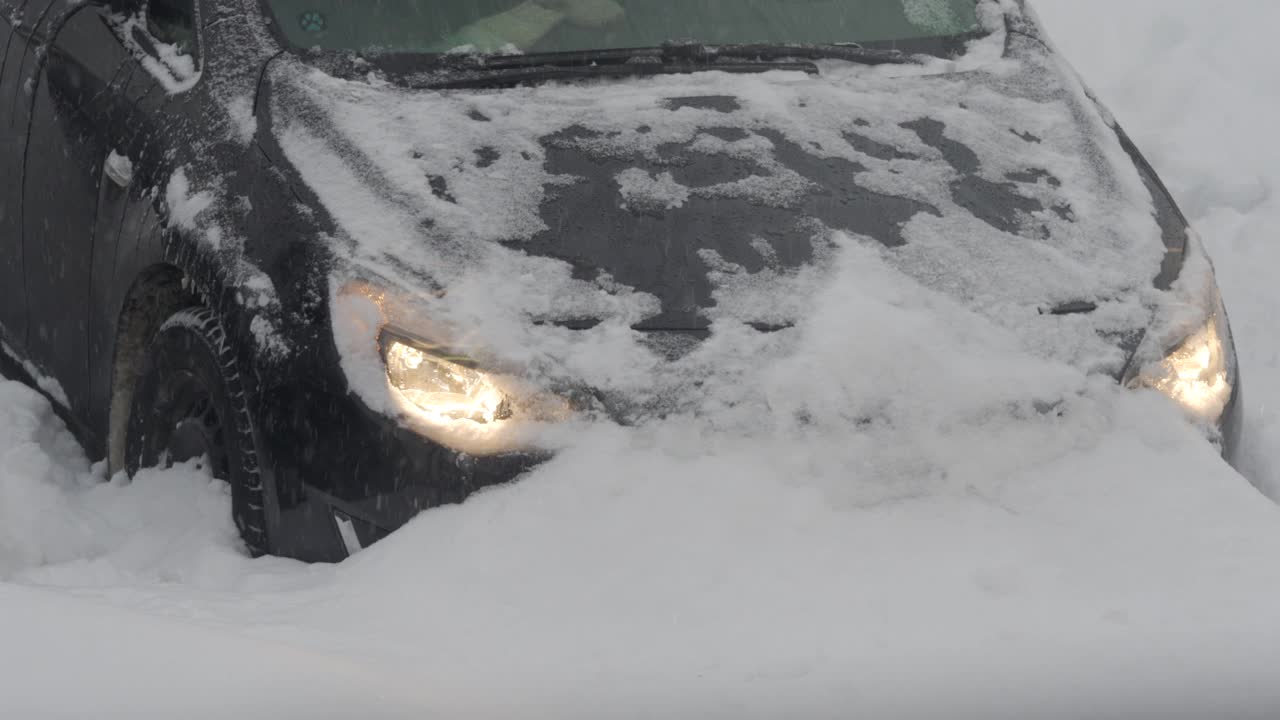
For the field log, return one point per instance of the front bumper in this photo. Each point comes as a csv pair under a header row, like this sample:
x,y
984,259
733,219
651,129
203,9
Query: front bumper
x,y
1232,424
340,461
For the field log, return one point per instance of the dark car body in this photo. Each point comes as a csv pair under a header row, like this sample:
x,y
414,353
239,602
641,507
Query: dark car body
x,y
97,246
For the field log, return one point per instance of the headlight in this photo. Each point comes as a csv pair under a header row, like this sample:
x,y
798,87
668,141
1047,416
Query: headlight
x,y
443,386
404,364
1199,373
448,398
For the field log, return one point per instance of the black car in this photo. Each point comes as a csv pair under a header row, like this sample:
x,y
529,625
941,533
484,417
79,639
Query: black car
x,y
358,255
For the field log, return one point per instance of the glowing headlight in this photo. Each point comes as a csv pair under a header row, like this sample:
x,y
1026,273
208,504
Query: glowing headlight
x,y
1198,373
450,400
398,360
443,388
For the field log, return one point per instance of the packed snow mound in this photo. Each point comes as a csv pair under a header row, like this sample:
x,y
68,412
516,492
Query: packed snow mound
x,y
167,526
668,569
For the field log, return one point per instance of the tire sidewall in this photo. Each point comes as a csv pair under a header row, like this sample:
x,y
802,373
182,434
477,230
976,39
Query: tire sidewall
x,y
192,345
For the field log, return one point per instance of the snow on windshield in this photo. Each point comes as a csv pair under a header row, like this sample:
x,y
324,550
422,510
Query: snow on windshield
x,y
935,16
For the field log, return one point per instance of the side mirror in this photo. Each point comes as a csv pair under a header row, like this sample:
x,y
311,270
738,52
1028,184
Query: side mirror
x,y
171,47
143,40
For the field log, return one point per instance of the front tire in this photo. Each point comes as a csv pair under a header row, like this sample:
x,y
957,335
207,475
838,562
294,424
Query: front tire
x,y
190,403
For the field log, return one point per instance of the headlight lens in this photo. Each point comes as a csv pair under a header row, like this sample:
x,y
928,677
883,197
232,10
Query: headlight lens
x,y
396,360
445,396
443,387
1199,374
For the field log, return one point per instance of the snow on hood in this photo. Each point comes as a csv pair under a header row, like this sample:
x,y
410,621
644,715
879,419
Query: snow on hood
x,y
940,216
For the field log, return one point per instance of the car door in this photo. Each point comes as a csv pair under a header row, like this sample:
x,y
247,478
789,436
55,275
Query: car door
x,y
79,118
127,231
14,113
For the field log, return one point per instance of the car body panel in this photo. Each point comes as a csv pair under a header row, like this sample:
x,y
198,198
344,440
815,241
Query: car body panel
x,y
72,131
13,133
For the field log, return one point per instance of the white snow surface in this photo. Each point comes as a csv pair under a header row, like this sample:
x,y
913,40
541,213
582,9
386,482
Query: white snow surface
x,y
958,554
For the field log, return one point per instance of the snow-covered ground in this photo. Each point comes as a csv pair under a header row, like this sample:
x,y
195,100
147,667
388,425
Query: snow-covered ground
x,y
1103,564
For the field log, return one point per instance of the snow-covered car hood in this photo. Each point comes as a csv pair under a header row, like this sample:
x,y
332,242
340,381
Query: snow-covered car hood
x,y
542,225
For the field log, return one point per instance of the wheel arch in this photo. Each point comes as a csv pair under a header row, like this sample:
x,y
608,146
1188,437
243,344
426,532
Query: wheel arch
x,y
157,292
181,276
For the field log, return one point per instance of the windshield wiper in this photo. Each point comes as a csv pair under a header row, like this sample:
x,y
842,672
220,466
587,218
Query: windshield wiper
x,y
471,71
848,52
686,51
511,77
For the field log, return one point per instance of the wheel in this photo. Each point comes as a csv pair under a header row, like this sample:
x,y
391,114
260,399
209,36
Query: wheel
x,y
190,404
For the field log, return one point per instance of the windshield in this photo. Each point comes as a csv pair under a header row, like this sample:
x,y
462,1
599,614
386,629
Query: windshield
x,y
437,26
